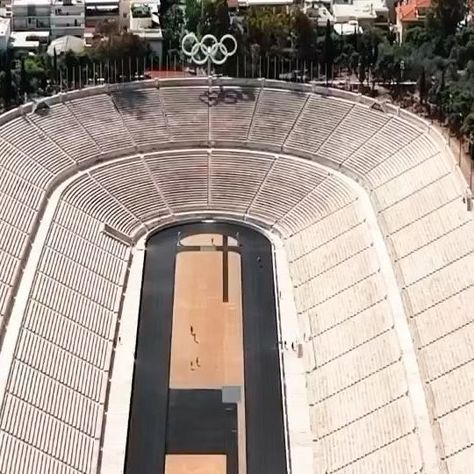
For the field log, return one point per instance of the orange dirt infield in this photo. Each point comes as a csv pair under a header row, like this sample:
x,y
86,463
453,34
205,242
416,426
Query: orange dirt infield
x,y
195,464
214,357
211,355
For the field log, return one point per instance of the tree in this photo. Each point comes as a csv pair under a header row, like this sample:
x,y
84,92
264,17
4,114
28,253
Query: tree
x,y
449,13
269,28
216,20
117,47
36,69
173,22
24,81
193,16
55,65
354,60
328,51
422,86
386,67
121,56
361,72
305,36
165,5
6,82
355,38
3,89
108,28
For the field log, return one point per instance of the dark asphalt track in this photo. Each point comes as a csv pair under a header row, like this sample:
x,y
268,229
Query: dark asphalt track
x,y
199,423
159,420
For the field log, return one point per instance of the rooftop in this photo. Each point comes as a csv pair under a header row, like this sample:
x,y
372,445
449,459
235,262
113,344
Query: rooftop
x,y
66,43
58,3
29,39
150,34
140,10
31,2
101,2
4,25
144,17
250,3
409,10
347,28
360,9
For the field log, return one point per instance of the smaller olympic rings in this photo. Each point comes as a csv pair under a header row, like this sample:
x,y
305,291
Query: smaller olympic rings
x,y
208,49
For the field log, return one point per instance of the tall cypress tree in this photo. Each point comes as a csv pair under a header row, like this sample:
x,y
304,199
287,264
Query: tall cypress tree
x,y
55,65
24,83
328,51
422,86
7,87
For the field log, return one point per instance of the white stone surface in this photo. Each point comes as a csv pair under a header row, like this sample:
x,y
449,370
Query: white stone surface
x,y
412,264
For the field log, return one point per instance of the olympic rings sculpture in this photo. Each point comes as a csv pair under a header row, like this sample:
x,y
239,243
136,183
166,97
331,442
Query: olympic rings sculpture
x,y
208,49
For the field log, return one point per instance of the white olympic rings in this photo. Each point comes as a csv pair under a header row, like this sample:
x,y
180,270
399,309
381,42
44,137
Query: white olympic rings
x,y
208,48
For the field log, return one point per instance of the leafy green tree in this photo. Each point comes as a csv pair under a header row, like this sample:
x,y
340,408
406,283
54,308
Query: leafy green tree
x,y
386,67
305,36
269,28
165,5
118,46
108,28
216,20
193,16
36,69
417,36
456,103
450,13
468,127
173,22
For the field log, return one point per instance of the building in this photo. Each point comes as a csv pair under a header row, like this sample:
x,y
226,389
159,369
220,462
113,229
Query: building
x,y
236,5
64,44
31,15
4,33
67,18
51,18
264,3
29,40
410,13
367,13
470,15
318,13
348,29
102,11
59,17
144,22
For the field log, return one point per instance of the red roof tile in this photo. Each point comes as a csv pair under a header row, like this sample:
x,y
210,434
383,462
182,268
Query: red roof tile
x,y
409,10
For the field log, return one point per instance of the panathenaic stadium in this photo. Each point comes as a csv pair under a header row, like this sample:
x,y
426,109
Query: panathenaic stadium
x,y
224,276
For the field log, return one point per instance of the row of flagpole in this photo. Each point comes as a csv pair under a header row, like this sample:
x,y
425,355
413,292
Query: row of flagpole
x,y
77,76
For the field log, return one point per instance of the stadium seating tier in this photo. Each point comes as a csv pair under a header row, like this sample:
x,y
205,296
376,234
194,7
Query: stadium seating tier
x,y
143,155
